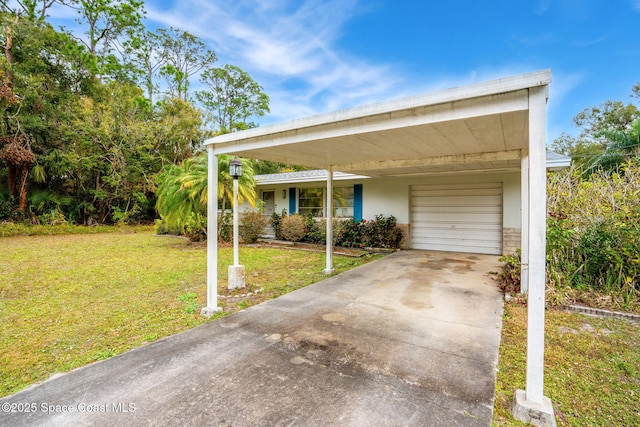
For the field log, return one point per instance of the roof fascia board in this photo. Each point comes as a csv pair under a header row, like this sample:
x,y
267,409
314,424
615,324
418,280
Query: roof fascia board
x,y
422,115
302,179
494,87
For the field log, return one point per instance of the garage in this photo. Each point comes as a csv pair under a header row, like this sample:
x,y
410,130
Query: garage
x,y
457,217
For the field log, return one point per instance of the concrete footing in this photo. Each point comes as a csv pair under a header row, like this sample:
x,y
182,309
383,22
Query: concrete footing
x,y
210,311
236,276
537,414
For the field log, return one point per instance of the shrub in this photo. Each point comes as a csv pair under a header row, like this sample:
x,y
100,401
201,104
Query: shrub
x,y
252,226
382,232
593,239
195,227
225,226
6,205
276,221
292,228
314,231
509,277
350,234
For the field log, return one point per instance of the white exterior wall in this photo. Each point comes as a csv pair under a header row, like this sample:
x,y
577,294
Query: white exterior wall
x,y
391,196
283,202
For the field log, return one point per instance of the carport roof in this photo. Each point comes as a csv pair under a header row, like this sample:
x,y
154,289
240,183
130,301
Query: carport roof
x,y
555,162
479,127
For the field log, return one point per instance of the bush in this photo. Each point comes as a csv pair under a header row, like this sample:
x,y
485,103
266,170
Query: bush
x,y
195,227
252,226
382,232
292,228
161,227
6,205
225,227
350,234
314,231
593,238
509,277
276,221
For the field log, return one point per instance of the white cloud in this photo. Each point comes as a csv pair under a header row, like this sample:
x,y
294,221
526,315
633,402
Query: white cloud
x,y
289,47
636,5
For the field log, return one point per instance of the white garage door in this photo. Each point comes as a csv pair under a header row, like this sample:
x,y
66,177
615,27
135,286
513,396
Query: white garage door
x,y
457,217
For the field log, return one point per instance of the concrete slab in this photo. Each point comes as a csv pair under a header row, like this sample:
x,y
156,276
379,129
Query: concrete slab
x,y
411,339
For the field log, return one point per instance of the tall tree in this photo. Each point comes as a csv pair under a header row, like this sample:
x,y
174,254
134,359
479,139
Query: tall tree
x,y
178,130
622,146
49,77
594,123
183,55
608,115
34,10
143,50
233,98
106,21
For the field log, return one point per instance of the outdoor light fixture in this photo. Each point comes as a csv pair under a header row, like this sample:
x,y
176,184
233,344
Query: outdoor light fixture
x,y
284,194
236,271
235,168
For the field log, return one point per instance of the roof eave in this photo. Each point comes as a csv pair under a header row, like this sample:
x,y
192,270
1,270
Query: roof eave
x,y
493,87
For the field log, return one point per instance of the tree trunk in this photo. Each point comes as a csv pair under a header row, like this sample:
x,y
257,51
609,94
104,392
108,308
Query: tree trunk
x,y
24,174
11,178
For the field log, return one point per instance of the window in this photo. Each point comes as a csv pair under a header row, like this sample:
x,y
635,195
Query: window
x,y
311,201
343,202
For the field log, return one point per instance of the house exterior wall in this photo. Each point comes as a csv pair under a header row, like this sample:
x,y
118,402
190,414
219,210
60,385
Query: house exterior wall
x,y
391,196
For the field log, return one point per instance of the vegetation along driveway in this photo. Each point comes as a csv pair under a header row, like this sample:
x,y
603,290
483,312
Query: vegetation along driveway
x,y
411,339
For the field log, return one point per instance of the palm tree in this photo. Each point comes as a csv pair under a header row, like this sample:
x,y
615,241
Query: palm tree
x,y
182,190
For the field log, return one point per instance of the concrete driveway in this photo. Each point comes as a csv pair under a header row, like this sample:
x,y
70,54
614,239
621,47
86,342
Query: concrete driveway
x,y
411,339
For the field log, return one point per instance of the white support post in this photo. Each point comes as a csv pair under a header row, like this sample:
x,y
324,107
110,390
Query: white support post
x,y
537,244
531,404
524,227
212,235
329,207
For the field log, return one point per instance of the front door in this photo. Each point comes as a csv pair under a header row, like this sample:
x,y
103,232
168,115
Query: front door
x,y
269,199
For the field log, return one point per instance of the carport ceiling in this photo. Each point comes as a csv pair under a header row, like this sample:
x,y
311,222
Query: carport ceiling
x,y
479,127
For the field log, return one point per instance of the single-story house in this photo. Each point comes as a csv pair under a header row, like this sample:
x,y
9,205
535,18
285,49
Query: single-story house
x,y
465,212
429,159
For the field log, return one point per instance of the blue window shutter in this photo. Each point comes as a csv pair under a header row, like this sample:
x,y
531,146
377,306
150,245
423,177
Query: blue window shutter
x,y
292,200
357,202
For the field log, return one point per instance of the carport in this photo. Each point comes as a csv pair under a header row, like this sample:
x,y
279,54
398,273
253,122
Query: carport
x,y
485,127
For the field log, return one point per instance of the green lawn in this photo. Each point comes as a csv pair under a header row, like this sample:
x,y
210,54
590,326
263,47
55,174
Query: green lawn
x,y
69,300
592,368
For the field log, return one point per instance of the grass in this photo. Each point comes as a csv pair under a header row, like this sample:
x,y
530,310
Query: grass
x,y
72,299
68,300
10,229
592,368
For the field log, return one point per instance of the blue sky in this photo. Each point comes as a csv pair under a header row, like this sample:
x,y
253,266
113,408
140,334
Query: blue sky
x,y
315,56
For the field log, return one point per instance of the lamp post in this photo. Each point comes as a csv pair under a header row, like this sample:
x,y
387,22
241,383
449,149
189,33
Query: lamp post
x,y
236,271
